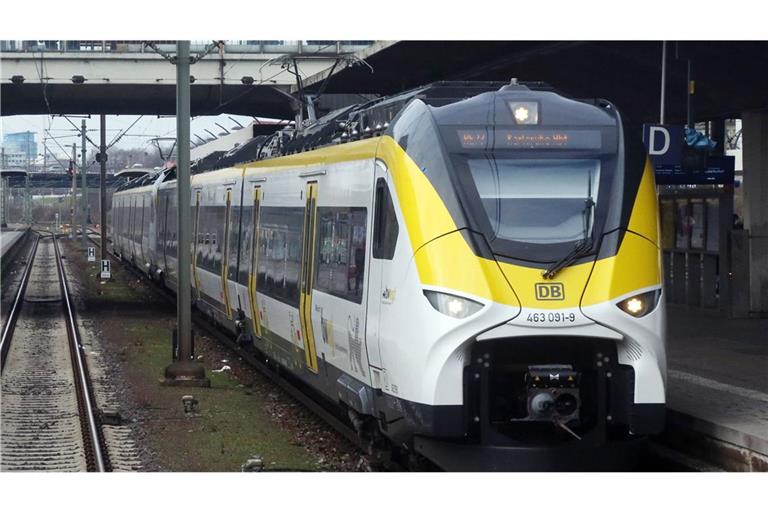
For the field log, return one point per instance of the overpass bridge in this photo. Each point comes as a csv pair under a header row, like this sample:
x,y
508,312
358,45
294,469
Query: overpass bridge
x,y
135,77
58,180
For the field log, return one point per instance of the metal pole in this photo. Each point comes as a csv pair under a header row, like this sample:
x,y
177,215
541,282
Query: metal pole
x,y
84,197
184,191
185,370
103,184
689,98
4,185
27,201
663,81
74,191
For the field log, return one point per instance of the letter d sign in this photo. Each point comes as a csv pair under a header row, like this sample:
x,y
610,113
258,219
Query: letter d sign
x,y
658,140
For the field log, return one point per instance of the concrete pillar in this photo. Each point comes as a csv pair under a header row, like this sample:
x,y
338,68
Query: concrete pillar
x,y
755,191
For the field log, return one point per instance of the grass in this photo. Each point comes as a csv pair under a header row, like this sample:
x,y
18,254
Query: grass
x,y
233,423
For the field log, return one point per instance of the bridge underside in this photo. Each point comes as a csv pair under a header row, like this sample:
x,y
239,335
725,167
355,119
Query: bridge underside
x,y
61,180
730,76
155,99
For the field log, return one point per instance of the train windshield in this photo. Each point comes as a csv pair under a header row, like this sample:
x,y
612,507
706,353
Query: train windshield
x,y
542,201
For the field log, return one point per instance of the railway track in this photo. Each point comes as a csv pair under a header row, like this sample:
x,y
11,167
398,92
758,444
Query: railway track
x,y
48,414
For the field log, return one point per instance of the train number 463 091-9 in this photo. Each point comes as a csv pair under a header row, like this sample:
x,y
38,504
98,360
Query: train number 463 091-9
x,y
552,317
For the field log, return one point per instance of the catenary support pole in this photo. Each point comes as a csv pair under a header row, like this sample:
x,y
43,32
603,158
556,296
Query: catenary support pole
x,y
184,192
184,371
103,185
3,213
27,201
74,192
83,191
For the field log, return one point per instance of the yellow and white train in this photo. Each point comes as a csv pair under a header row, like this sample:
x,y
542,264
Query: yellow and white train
x,y
470,272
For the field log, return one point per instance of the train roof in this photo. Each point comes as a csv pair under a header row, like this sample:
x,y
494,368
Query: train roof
x,y
361,121
149,178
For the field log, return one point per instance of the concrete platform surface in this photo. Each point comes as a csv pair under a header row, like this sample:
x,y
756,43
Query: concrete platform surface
x,y
718,377
8,238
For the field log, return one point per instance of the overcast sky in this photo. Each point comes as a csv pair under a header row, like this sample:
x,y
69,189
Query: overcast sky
x,y
137,137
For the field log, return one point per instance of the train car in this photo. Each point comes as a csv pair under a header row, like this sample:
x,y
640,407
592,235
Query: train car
x,y
133,221
470,271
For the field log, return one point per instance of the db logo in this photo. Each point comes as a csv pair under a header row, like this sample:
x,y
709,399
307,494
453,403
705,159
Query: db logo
x,y
549,291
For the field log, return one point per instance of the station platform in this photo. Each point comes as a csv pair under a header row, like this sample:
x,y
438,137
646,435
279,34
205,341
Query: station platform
x,y
718,387
9,236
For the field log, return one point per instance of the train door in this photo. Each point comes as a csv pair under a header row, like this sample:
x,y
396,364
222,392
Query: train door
x,y
115,224
141,229
121,223
237,247
384,237
196,242
225,253
132,228
254,261
117,229
307,276
126,232
153,209
164,209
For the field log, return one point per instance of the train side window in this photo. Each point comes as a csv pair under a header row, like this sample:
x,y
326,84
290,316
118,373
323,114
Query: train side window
x,y
280,249
340,257
385,226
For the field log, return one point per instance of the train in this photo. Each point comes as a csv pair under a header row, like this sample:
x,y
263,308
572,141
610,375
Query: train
x,y
469,272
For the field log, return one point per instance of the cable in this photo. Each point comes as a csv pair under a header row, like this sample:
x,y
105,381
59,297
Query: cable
x,y
43,83
81,132
565,427
56,141
120,136
45,148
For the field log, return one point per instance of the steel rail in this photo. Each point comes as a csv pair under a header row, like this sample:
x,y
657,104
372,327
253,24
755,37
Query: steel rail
x,y
13,314
81,375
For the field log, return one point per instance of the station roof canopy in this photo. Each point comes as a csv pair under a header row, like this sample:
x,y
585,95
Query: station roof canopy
x,y
730,76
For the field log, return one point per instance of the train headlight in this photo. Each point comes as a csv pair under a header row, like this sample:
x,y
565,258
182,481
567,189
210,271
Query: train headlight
x,y
640,305
525,112
452,305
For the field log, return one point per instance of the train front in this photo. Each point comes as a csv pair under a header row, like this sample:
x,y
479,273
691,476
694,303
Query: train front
x,y
542,269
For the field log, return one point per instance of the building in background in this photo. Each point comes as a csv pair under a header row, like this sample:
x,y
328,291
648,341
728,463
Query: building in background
x,y
19,149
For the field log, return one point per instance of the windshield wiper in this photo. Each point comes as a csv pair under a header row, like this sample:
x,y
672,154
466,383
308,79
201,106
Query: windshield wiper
x,y
583,246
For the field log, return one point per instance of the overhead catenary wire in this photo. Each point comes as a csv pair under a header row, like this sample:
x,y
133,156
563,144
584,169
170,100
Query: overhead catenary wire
x,y
121,135
56,141
46,148
85,135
